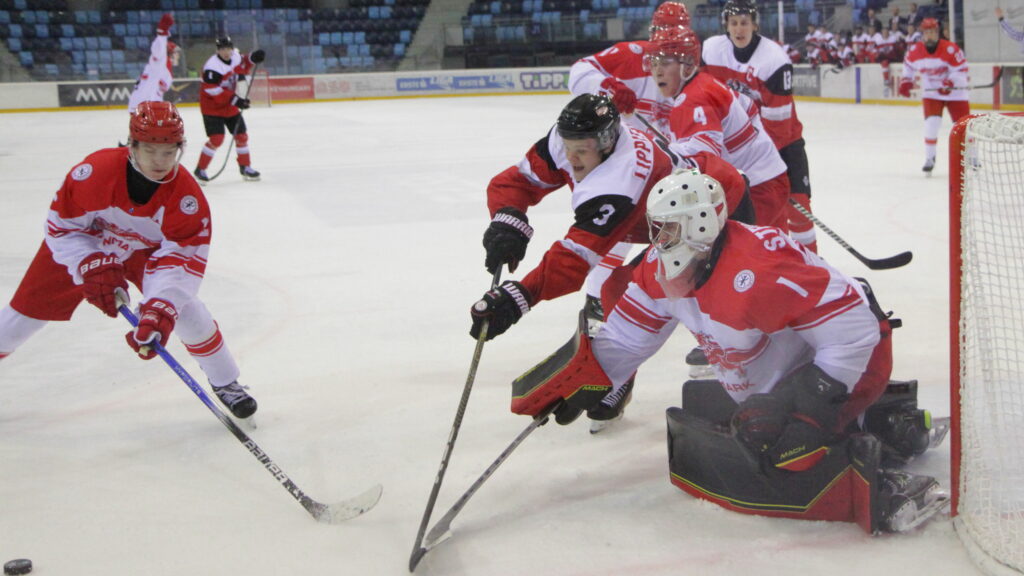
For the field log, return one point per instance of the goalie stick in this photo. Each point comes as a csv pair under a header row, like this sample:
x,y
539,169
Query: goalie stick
x,y
896,261
998,76
417,549
227,156
442,530
326,513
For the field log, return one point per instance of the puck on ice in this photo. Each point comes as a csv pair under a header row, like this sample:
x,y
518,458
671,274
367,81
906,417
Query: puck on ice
x,y
19,566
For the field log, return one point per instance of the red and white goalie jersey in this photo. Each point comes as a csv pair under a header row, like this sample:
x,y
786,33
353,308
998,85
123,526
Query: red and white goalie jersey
x,y
766,77
92,212
624,62
709,117
768,307
946,62
219,84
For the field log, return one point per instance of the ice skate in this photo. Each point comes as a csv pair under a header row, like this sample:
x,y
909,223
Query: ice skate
x,y
201,176
700,368
905,430
595,315
236,399
929,164
908,500
248,174
610,408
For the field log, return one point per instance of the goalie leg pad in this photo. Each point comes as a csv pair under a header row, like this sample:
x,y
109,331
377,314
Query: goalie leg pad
x,y
572,373
706,462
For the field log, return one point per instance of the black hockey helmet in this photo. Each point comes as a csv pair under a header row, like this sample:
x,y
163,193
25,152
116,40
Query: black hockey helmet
x,y
224,42
737,8
590,116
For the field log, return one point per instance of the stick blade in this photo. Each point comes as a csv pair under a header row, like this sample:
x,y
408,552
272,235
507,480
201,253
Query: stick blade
x,y
347,509
897,261
417,555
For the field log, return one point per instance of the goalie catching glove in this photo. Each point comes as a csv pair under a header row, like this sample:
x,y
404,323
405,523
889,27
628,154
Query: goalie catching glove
x,y
506,238
102,275
500,308
790,427
156,322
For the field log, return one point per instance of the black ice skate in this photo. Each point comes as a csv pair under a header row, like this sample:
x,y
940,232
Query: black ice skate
x,y
907,500
929,164
700,368
236,399
904,430
594,312
610,408
201,175
248,174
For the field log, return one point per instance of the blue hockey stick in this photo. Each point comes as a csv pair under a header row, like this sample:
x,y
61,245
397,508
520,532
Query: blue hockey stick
x,y
326,513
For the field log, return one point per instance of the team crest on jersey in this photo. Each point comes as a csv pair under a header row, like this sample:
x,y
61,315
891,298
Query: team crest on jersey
x,y
635,48
189,205
81,172
743,281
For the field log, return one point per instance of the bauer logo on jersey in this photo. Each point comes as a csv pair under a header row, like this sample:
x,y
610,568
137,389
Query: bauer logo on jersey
x,y
743,281
189,205
81,172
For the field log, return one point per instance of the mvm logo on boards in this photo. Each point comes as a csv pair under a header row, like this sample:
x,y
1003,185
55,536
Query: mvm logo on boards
x,y
94,94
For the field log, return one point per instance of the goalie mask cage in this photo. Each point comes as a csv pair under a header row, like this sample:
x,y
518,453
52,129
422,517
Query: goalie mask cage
x,y
987,338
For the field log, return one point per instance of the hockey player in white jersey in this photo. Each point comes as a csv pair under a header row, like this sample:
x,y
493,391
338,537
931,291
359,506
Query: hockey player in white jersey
x,y
756,66
157,76
802,355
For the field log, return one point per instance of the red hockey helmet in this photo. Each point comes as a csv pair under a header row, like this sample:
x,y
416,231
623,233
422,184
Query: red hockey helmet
x,y
679,43
929,24
669,15
157,123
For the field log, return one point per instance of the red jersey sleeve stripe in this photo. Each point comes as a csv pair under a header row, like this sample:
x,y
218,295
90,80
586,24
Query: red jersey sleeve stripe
x,y
641,317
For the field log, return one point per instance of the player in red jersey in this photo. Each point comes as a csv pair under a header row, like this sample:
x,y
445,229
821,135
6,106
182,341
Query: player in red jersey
x,y
128,214
156,77
618,72
942,67
801,353
759,68
221,105
708,116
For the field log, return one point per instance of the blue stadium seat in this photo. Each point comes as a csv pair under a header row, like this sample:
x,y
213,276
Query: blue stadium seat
x,y
15,30
92,43
67,30
132,29
360,37
374,12
28,17
78,57
336,38
132,17
105,43
14,44
66,45
78,43
51,70
94,17
20,5
5,17
324,38
399,49
405,36
26,59
118,56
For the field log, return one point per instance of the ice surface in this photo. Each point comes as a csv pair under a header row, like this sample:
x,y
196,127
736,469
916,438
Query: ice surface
x,y
342,283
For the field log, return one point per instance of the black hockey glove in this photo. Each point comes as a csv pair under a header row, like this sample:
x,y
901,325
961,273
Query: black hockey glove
x,y
500,308
257,56
758,422
241,103
506,238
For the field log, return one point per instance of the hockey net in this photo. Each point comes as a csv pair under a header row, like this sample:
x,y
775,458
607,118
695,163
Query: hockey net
x,y
987,338
259,88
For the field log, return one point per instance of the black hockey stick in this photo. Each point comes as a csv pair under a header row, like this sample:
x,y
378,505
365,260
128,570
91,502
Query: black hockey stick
x,y
234,131
442,530
326,513
901,259
418,550
999,75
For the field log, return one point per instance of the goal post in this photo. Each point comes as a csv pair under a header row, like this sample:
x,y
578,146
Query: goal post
x,y
986,257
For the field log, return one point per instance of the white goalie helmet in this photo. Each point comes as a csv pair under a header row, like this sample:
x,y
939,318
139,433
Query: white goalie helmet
x,y
685,213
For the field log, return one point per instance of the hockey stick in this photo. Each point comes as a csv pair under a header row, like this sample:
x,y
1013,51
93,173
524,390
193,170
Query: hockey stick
x,y
326,513
442,530
999,75
418,550
901,259
234,132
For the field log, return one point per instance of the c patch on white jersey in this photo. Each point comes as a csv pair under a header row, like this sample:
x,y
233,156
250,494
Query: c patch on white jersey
x,y
189,205
743,281
81,172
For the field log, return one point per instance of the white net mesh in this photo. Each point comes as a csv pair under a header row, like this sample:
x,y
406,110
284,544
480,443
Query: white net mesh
x,y
991,507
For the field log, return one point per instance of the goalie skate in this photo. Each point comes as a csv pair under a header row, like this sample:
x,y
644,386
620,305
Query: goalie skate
x,y
700,368
610,409
909,500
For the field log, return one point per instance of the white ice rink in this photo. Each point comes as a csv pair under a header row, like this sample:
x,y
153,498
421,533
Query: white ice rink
x,y
342,282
